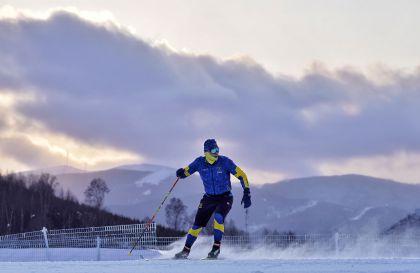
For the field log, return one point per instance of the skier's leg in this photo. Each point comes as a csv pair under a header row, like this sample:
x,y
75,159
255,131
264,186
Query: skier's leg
x,y
219,227
204,212
192,235
220,214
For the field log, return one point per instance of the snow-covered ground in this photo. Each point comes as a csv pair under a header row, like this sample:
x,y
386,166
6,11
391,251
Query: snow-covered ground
x,y
222,266
367,258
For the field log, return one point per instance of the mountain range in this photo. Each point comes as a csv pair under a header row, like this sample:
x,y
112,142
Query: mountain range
x,y
324,204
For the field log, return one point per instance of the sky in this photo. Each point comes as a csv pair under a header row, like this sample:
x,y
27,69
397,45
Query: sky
x,y
287,88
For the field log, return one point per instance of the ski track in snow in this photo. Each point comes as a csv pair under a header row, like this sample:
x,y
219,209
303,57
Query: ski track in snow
x,y
222,266
310,204
279,215
361,214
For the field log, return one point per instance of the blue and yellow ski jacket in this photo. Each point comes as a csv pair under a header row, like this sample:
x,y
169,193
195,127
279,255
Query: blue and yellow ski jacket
x,y
216,176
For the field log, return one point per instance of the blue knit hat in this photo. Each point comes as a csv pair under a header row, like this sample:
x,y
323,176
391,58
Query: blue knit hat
x,y
210,144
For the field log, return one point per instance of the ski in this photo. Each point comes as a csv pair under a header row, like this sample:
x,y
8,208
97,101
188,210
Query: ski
x,y
188,259
211,259
179,258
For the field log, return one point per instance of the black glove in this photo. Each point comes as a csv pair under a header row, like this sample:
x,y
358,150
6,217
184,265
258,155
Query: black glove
x,y
246,199
180,173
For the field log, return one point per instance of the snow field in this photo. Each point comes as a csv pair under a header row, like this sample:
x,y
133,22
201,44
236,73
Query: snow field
x,y
222,266
263,259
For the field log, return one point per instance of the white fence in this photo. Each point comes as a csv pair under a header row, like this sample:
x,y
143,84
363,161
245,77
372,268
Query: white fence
x,y
93,243
114,242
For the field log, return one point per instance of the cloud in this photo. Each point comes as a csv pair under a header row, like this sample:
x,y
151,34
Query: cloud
x,y
99,85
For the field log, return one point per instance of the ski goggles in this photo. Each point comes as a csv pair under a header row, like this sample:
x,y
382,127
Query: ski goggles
x,y
214,150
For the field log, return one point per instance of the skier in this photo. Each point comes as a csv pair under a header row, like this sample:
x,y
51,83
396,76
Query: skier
x,y
214,170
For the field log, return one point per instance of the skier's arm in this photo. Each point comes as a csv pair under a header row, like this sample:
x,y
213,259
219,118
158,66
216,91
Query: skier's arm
x,y
187,171
242,177
238,173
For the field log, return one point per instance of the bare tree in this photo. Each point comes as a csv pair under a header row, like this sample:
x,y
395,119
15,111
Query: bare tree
x,y
95,193
176,214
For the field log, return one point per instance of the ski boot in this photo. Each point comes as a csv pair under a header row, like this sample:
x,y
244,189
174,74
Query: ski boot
x,y
214,253
183,254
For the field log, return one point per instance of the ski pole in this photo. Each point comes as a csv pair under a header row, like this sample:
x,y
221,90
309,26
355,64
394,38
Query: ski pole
x,y
153,217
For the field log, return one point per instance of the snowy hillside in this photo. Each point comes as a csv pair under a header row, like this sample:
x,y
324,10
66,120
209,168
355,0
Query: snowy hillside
x,y
353,191
346,203
349,203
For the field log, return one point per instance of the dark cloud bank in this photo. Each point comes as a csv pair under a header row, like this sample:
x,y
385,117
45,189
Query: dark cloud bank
x,y
102,84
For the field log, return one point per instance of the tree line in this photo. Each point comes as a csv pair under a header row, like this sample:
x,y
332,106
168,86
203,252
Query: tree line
x,y
29,203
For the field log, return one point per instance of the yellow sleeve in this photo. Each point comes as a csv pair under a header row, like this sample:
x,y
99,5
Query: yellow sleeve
x,y
242,177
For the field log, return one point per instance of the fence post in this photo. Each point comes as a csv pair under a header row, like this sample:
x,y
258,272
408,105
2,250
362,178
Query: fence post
x,y
155,237
336,242
47,252
98,248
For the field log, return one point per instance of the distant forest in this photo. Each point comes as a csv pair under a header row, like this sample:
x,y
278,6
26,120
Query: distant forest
x,y
29,203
